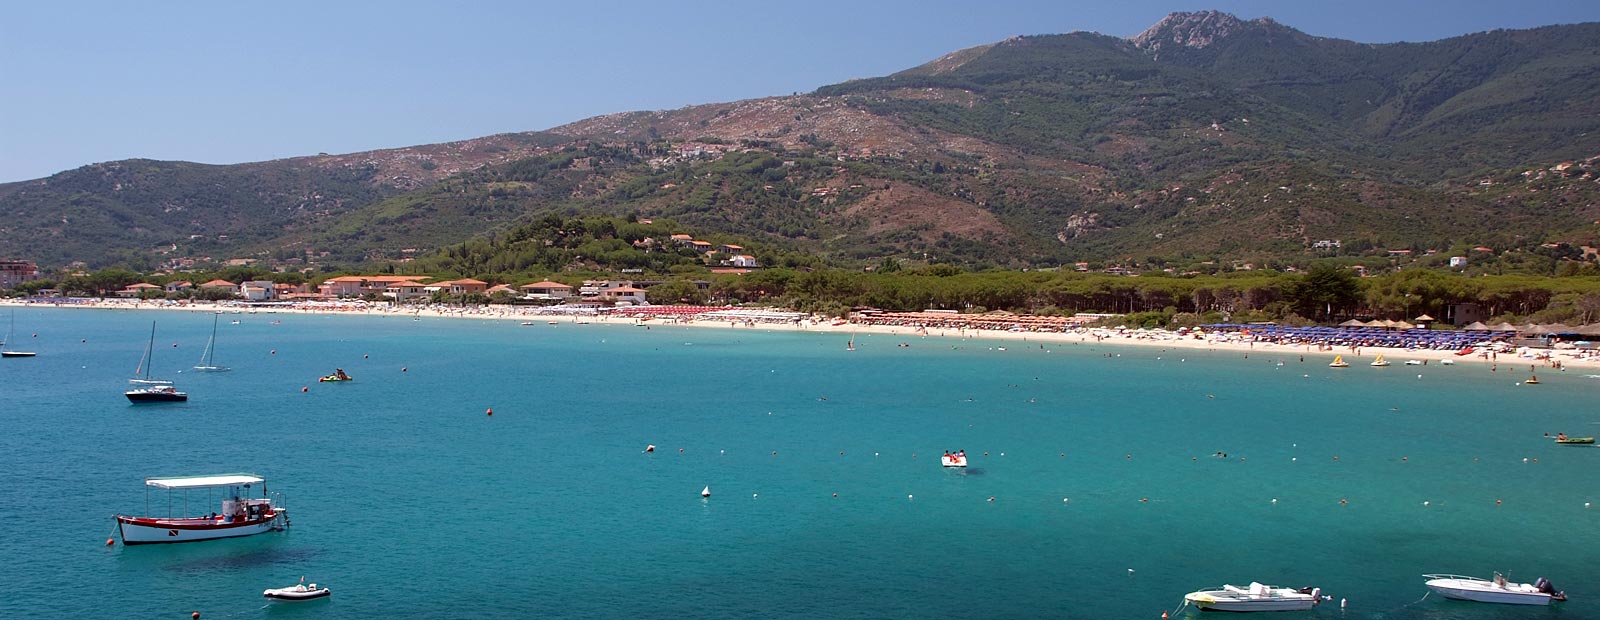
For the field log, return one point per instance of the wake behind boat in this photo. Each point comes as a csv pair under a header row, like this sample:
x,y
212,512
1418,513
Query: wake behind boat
x,y
1497,590
1257,597
240,516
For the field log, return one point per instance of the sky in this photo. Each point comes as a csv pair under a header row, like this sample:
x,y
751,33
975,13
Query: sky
x,y
227,82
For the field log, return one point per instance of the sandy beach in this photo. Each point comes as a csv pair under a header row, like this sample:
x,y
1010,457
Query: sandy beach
x,y
1363,356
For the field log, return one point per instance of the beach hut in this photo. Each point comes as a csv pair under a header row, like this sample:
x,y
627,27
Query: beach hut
x,y
1475,326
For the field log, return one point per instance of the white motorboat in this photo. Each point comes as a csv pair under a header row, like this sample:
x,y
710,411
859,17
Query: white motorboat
x,y
953,460
297,592
1256,597
1497,590
240,516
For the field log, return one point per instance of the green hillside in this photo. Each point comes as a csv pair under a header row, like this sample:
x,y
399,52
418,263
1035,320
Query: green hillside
x,y
1205,139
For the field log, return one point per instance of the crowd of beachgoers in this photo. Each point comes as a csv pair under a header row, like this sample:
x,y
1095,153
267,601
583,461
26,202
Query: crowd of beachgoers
x,y
1437,344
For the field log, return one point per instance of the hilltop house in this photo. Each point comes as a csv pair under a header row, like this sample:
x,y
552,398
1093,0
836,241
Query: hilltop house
x,y
742,260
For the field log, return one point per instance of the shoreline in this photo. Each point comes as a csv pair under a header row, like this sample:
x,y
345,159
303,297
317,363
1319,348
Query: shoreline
x,y
1099,336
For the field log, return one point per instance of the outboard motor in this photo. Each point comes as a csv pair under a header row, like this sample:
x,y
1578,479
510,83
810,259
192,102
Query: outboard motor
x,y
1543,585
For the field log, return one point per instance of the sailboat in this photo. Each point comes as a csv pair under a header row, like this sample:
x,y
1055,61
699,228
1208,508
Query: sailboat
x,y
852,345
208,361
5,345
1338,362
1380,361
153,390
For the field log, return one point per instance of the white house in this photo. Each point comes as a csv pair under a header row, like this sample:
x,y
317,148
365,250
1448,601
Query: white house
x,y
1457,262
258,290
742,260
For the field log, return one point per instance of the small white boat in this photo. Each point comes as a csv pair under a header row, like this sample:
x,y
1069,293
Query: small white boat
x,y
5,350
1497,590
1413,362
297,592
953,460
1257,597
1448,362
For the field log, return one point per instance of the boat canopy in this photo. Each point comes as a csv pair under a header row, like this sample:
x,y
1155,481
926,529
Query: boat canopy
x,y
201,482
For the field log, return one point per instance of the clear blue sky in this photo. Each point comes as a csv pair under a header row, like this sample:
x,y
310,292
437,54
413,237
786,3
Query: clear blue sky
x,y
226,82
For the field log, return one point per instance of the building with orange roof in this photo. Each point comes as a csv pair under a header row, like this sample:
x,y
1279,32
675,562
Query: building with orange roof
x,y
546,290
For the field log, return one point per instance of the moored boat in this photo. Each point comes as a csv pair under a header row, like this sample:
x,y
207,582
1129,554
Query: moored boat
x,y
957,459
1338,362
1574,441
1497,590
298,592
1256,597
240,516
153,390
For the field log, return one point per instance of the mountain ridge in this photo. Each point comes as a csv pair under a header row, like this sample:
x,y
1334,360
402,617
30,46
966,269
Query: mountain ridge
x,y
1031,151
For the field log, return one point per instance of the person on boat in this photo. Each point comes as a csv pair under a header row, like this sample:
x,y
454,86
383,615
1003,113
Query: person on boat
x,y
1561,436
947,454
338,373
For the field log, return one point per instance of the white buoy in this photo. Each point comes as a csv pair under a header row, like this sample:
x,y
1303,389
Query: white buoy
x,y
910,497
754,495
1130,571
1424,503
1064,500
1274,500
1341,603
1586,504
706,492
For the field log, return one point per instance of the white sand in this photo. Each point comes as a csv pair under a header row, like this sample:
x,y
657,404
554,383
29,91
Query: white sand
x,y
1360,357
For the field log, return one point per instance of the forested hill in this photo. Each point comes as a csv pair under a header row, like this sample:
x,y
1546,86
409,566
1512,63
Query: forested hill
x,y
1204,138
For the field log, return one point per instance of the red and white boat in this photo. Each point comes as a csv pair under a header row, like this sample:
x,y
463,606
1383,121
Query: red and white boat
x,y
241,514
958,459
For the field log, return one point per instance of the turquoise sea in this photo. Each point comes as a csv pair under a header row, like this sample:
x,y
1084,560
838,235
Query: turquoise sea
x,y
410,502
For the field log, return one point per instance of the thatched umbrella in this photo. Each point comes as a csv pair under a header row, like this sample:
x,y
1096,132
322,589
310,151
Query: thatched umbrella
x,y
1592,329
1378,323
1503,327
1558,328
1537,330
1352,323
1476,326
1402,325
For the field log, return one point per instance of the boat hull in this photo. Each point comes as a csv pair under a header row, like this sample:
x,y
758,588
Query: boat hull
x,y
1223,602
1489,596
143,531
1576,441
291,594
950,461
142,397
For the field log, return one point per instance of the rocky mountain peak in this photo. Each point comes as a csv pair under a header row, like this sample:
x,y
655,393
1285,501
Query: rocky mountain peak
x,y
1195,30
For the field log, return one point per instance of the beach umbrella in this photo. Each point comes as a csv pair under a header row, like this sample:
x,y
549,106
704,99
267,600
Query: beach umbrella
x,y
1532,329
1558,328
1352,323
1402,325
1503,327
1476,326
1424,319
1592,329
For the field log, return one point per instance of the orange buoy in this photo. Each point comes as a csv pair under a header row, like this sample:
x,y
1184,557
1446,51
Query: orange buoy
x,y
489,411
110,541
195,615
304,389
1342,501
835,494
650,448
1497,502
1163,615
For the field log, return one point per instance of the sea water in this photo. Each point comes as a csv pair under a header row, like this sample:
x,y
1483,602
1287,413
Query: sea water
x,y
1094,491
